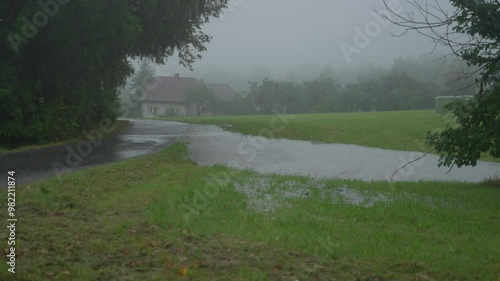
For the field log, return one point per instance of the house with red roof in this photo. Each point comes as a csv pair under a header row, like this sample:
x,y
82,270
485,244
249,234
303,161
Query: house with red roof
x,y
169,96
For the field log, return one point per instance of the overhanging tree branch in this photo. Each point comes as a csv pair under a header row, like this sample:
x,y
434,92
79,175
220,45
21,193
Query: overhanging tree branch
x,y
471,32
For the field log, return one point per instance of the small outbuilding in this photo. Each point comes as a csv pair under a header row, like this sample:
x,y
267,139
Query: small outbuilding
x,y
442,101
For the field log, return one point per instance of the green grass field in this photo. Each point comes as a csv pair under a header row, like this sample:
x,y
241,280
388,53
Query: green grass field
x,y
397,130
162,217
391,130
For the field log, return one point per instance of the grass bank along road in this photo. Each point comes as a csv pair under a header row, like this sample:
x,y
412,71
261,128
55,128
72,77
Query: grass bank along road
x,y
396,130
162,217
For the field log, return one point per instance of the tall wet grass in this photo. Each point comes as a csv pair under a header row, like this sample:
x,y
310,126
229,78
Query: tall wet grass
x,y
162,217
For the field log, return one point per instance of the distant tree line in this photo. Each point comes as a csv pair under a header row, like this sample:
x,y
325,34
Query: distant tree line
x,y
386,92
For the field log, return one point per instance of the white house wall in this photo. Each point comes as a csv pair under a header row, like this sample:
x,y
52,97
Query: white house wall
x,y
161,109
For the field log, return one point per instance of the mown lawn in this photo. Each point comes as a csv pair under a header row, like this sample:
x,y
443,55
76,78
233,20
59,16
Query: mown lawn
x,y
162,217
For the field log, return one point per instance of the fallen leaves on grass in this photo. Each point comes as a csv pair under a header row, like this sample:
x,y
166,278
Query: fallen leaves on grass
x,y
182,271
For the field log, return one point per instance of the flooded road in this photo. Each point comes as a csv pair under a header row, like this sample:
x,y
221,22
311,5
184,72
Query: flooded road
x,y
141,138
209,145
212,145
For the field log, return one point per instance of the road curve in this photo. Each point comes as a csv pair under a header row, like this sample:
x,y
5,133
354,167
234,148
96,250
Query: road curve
x,y
142,137
210,145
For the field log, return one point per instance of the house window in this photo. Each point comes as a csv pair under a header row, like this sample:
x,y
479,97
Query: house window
x,y
153,110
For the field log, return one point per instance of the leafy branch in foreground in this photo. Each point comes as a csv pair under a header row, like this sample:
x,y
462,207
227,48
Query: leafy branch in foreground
x,y
472,33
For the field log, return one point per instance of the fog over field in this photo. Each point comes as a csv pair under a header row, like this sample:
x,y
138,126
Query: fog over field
x,y
265,38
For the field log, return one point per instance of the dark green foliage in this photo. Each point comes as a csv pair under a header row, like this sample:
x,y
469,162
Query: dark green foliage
x,y
394,91
170,112
203,98
272,96
143,79
62,76
240,105
477,131
318,90
478,121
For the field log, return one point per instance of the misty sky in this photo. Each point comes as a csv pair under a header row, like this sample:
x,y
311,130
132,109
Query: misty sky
x,y
283,34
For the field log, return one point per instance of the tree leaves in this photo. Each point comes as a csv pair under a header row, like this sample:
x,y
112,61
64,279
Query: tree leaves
x,y
76,62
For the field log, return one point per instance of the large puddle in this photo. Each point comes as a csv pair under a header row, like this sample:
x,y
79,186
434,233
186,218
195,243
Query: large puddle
x,y
210,145
266,194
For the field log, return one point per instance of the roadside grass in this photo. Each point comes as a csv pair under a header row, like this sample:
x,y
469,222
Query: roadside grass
x,y
162,217
397,130
120,126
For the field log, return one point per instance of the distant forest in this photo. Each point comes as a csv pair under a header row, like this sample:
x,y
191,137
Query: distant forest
x,y
406,85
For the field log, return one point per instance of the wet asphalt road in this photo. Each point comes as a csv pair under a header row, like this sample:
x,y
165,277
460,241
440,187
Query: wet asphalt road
x,y
209,145
141,138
